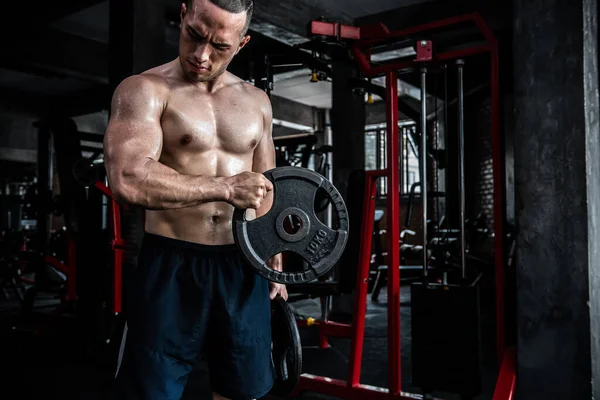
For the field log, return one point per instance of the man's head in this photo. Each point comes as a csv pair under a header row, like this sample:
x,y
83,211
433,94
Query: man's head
x,y
212,33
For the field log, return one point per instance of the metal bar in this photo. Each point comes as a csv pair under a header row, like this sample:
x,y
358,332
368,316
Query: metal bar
x,y
117,247
71,269
461,165
419,28
362,60
43,184
469,51
103,188
91,137
424,186
117,281
329,163
334,329
56,264
341,31
377,173
401,167
336,325
499,202
360,300
485,30
406,143
505,385
118,259
393,226
341,389
368,70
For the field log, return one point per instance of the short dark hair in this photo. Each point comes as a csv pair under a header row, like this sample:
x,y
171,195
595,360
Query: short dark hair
x,y
233,6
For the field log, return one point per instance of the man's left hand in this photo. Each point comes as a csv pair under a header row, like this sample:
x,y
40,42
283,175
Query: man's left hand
x,y
274,287
277,288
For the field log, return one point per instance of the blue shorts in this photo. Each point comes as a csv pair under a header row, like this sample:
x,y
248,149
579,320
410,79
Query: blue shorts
x,y
188,301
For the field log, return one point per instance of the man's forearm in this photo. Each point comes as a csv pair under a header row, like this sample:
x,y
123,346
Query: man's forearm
x,y
155,186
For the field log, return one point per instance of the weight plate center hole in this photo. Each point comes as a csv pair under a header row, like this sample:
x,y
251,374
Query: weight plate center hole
x,y
292,224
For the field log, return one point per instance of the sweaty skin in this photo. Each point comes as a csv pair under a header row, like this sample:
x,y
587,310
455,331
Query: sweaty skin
x,y
199,137
188,141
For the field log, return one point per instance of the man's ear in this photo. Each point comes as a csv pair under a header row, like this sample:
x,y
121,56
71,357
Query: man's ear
x,y
183,11
243,42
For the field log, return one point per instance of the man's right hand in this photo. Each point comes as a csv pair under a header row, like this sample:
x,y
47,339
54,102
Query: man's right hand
x,y
248,189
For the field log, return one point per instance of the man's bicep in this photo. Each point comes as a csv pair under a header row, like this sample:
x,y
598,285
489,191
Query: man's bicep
x,y
134,132
264,154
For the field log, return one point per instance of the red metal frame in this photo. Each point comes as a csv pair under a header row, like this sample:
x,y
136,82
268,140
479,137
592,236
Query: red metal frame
x,y
505,386
361,49
424,49
340,31
118,246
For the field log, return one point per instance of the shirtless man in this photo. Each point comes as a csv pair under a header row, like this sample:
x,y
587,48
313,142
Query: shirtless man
x,y
188,141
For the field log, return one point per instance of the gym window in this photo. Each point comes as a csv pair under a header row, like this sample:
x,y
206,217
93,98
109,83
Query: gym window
x,y
376,155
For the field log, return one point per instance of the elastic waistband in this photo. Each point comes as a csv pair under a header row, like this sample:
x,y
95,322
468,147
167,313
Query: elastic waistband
x,y
151,239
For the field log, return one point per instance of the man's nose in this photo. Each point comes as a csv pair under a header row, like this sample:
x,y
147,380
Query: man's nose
x,y
202,53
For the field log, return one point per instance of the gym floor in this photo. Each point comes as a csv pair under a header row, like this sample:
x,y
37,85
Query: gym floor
x,y
52,366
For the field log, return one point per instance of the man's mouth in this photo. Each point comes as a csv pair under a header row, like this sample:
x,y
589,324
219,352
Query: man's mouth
x,y
197,68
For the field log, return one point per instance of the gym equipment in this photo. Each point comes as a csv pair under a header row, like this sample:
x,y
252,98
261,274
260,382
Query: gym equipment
x,y
294,150
449,362
445,338
292,225
87,171
361,42
286,348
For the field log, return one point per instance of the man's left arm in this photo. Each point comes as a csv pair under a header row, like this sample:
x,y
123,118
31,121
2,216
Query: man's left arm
x,y
264,160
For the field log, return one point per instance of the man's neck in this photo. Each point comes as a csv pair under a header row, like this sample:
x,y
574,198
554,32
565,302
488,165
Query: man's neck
x,y
209,86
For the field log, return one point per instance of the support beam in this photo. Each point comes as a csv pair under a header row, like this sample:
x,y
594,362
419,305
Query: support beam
x,y
43,106
496,13
376,114
592,127
18,155
136,27
292,111
57,53
60,54
556,149
42,12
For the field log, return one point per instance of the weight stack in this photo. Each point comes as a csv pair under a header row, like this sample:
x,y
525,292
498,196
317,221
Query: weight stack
x,y
446,340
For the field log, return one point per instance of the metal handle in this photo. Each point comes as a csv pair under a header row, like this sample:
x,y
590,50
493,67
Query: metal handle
x,y
461,165
424,163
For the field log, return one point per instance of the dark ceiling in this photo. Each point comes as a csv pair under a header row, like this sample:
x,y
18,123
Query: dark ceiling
x,y
55,52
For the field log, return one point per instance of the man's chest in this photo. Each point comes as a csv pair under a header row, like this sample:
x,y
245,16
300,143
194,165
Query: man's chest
x,y
196,126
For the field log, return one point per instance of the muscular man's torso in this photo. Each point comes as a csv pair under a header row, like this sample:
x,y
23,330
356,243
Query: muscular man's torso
x,y
209,134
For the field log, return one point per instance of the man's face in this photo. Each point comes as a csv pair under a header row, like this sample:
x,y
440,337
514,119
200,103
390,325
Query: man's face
x,y
209,39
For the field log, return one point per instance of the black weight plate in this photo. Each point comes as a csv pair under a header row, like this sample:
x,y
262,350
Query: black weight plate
x,y
321,247
287,348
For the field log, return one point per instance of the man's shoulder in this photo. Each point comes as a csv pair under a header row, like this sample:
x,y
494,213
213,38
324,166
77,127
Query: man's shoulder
x,y
252,93
145,82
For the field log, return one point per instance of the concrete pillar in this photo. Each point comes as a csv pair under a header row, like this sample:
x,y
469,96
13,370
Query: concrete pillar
x,y
557,189
348,116
136,37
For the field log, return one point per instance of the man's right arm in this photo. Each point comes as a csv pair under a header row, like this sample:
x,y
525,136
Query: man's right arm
x,y
132,147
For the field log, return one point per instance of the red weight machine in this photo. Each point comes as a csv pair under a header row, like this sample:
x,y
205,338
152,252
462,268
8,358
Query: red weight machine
x,y
361,41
